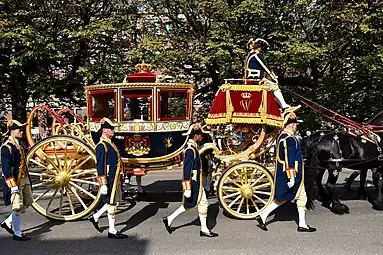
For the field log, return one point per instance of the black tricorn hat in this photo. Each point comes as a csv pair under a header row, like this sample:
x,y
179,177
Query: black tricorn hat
x,y
194,129
262,42
107,123
291,117
14,124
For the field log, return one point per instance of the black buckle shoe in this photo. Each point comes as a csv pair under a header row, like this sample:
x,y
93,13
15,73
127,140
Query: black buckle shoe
x,y
166,223
21,238
309,229
94,222
261,224
118,235
210,234
8,229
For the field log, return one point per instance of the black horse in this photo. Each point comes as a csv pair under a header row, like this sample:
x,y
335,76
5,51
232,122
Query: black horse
x,y
334,150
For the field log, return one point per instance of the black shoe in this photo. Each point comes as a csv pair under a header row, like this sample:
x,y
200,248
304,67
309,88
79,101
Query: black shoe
x,y
21,238
118,235
166,223
142,193
95,223
261,224
309,229
5,226
210,234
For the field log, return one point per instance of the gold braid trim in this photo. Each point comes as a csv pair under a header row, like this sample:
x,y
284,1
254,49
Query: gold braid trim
x,y
243,87
22,168
186,185
117,175
229,106
255,120
11,182
102,180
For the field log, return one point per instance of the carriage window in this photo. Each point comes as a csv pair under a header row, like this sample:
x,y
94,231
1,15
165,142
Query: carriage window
x,y
137,105
173,105
103,105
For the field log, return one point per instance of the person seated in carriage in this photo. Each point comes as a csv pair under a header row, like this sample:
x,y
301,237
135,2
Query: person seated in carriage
x,y
256,69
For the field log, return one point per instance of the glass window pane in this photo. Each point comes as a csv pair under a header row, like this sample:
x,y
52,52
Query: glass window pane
x,y
173,104
103,105
137,105
137,108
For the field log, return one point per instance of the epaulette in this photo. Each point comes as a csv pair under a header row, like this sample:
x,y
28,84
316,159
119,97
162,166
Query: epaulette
x,y
103,144
7,145
190,147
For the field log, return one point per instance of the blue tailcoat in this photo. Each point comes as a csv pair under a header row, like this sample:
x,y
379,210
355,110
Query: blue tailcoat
x,y
108,160
256,70
13,165
289,163
192,172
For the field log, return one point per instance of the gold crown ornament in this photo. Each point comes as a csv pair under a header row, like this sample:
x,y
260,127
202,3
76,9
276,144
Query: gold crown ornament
x,y
246,95
143,67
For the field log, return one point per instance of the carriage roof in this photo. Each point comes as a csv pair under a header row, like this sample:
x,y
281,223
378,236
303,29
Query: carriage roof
x,y
141,103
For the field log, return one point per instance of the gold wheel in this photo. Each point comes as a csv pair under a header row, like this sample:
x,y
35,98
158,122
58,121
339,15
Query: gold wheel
x,y
245,189
59,167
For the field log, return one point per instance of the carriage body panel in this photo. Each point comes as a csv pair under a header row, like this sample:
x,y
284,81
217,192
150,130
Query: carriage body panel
x,y
151,117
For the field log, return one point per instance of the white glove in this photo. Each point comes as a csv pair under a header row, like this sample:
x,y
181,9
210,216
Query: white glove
x,y
187,193
104,189
291,183
15,190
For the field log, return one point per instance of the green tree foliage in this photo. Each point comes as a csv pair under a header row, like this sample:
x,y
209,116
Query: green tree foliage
x,y
53,47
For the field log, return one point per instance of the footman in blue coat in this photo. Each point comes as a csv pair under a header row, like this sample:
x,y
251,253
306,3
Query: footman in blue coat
x,y
289,175
108,170
18,191
193,192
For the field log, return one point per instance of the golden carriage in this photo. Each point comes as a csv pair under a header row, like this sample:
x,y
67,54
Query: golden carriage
x,y
152,117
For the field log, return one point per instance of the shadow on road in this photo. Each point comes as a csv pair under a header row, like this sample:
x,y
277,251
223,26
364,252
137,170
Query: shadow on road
x,y
43,228
212,214
96,245
144,214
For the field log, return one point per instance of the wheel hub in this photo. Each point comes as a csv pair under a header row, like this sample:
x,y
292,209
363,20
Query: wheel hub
x,y
62,179
247,191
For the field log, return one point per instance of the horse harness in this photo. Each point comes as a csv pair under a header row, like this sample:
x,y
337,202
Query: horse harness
x,y
342,159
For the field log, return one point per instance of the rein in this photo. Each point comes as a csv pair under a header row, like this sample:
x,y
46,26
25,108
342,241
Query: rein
x,y
345,160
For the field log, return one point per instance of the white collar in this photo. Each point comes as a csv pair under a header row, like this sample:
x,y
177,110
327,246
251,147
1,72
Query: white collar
x,y
14,140
192,142
287,131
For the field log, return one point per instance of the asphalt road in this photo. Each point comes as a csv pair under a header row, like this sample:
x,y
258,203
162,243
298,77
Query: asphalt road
x,y
360,232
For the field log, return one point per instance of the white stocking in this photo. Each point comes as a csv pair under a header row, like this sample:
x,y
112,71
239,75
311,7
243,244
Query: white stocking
x,y
8,221
112,220
100,212
268,210
138,181
16,224
278,95
180,210
302,217
202,219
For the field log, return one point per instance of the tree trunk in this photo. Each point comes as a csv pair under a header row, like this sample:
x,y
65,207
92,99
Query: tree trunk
x,y
19,98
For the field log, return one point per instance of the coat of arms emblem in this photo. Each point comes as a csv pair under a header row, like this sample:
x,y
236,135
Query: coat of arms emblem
x,y
137,145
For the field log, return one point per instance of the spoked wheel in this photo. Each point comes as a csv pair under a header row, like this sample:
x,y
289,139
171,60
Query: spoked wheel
x,y
63,175
245,190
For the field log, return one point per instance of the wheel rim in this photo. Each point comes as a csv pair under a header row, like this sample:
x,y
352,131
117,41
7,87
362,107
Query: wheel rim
x,y
245,190
60,167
